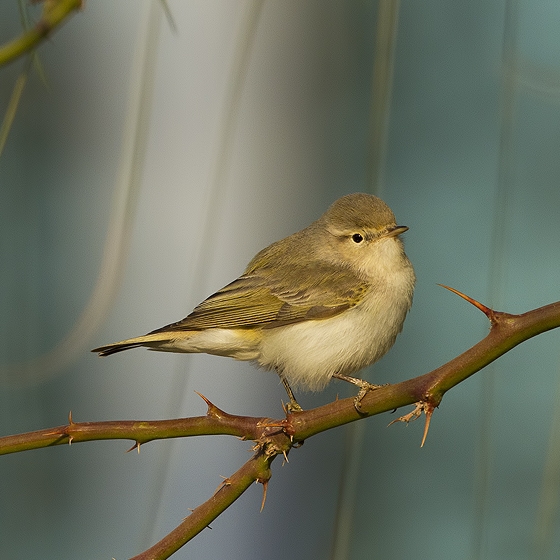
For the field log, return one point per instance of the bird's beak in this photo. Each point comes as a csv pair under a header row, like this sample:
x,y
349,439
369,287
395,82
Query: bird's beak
x,y
394,231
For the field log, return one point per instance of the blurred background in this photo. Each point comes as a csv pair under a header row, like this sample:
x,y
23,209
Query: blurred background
x,y
154,163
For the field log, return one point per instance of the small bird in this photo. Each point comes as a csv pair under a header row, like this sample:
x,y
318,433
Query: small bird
x,y
324,302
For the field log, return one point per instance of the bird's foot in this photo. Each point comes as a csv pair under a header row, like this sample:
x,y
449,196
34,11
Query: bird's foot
x,y
364,386
292,406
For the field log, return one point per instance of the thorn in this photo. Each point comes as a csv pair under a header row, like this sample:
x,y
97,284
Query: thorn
x,y
204,399
136,446
268,423
423,406
265,488
428,411
70,424
213,411
225,482
486,310
285,456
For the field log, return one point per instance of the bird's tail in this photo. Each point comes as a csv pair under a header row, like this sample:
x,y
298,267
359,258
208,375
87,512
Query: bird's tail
x,y
152,340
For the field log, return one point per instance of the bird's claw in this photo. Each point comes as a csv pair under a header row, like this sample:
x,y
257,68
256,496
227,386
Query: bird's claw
x,y
365,388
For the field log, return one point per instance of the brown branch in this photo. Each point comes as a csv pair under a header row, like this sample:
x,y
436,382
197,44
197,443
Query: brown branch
x,y
257,469
274,437
216,422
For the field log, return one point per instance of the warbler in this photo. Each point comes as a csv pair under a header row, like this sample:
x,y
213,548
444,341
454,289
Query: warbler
x,y
324,302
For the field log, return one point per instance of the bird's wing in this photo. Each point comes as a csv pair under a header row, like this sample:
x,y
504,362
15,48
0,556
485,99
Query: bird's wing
x,y
267,299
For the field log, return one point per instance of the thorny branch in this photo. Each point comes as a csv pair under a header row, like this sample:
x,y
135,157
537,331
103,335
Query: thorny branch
x,y
277,437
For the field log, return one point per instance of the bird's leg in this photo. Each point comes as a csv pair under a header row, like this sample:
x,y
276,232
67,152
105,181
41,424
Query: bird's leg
x,y
363,385
293,405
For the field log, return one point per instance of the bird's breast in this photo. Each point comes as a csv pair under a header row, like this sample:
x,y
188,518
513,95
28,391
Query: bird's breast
x,y
309,353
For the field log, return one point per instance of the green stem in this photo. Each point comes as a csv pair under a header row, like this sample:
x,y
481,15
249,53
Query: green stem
x,y
54,13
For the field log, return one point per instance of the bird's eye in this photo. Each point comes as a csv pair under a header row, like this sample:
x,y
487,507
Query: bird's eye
x,y
357,238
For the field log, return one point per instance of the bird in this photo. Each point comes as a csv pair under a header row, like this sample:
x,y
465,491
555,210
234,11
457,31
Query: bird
x,y
322,303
